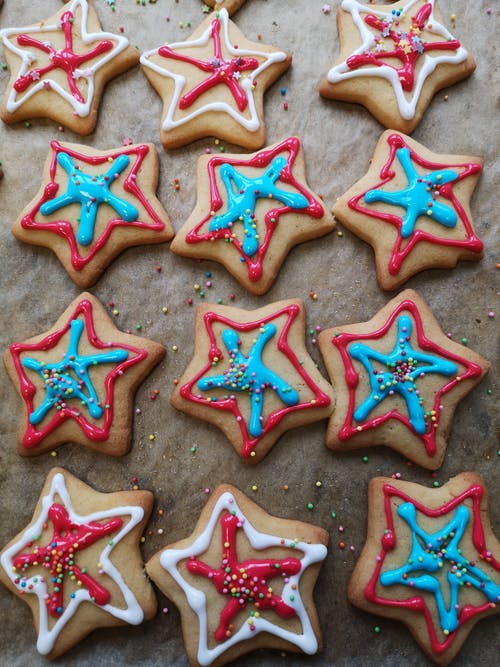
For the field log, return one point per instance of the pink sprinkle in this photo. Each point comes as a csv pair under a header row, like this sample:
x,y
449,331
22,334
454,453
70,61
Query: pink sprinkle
x,y
491,314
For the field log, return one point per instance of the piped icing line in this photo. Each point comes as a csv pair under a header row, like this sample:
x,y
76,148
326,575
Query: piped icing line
x,y
312,553
126,214
344,341
407,89
72,96
247,117
417,603
122,355
251,434
37,585
440,179
276,170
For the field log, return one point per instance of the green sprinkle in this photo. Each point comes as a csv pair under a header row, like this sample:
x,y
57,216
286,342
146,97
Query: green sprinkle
x,y
310,506
333,515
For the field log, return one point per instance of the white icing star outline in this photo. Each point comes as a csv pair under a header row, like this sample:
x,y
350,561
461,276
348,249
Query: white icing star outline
x,y
407,105
252,123
132,613
28,57
313,553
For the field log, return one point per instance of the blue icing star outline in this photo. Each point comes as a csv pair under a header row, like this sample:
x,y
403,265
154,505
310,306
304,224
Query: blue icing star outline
x,y
430,552
418,197
249,374
90,191
403,371
243,193
69,378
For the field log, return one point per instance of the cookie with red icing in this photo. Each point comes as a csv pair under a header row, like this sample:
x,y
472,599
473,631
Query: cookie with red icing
x,y
77,381
413,208
243,580
398,379
430,560
213,84
251,210
93,204
77,564
60,66
251,375
393,59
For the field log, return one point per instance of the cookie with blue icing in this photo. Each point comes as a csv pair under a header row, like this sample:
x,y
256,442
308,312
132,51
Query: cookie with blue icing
x,y
431,561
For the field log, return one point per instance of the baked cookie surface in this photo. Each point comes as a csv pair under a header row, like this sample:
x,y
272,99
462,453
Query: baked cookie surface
x,y
394,59
93,204
213,84
430,560
73,59
77,381
251,211
413,208
398,379
77,564
243,580
252,376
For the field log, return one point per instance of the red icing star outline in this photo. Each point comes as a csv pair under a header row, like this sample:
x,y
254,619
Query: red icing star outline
x,y
261,160
191,393
64,58
33,436
388,541
64,228
342,340
251,575
403,247
219,70
68,540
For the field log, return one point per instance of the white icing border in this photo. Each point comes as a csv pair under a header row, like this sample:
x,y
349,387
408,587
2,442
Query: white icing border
x,y
28,57
313,553
407,106
132,613
251,124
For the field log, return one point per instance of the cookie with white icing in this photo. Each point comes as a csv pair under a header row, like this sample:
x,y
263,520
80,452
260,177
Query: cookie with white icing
x,y
92,204
78,379
252,376
77,564
213,84
243,580
393,59
251,210
398,379
430,560
59,67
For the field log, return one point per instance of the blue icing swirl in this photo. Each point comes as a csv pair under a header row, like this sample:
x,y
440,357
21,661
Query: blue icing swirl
x,y
243,193
90,192
418,198
249,374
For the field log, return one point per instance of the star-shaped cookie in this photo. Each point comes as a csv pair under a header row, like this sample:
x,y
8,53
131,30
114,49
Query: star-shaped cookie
x,y
213,84
431,561
77,564
398,379
393,60
59,67
78,379
252,376
242,580
251,210
93,204
413,207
